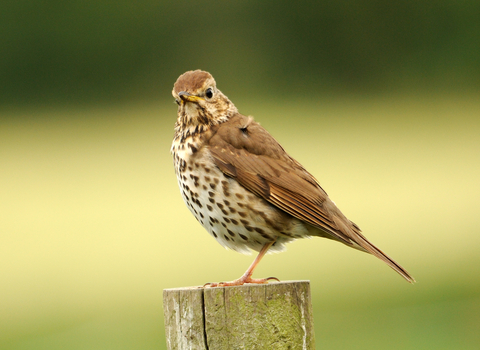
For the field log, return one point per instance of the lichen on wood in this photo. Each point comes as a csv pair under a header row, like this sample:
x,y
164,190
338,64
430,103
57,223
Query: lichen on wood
x,y
268,316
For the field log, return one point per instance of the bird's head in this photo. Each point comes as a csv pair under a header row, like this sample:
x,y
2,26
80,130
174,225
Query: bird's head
x,y
199,101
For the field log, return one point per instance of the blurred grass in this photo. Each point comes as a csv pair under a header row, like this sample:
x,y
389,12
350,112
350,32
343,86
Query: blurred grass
x,y
93,228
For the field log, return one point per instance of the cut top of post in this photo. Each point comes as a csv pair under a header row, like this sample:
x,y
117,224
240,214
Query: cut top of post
x,y
253,316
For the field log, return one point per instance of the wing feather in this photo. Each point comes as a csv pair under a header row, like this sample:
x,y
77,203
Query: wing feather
x,y
271,173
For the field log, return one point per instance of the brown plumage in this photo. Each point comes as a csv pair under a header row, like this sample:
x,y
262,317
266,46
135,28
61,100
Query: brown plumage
x,y
243,187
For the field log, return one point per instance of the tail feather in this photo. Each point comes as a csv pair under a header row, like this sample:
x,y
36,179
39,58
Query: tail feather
x,y
370,248
358,241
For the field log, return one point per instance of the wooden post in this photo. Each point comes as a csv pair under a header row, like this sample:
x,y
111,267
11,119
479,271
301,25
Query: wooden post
x,y
277,315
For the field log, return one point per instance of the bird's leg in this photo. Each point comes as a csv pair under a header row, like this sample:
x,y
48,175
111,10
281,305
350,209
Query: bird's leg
x,y
247,276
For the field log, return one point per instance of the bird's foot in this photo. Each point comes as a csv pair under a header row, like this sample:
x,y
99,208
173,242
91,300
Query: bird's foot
x,y
241,281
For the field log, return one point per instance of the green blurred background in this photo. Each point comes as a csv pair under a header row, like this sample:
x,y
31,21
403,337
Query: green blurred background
x,y
379,100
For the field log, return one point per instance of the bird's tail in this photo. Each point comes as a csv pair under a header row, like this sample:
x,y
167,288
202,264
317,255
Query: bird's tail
x,y
370,248
358,241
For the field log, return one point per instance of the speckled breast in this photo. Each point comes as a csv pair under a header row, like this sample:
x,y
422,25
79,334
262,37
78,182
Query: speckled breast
x,y
236,218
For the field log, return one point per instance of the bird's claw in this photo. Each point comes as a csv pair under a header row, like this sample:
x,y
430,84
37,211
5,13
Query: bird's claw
x,y
240,282
272,278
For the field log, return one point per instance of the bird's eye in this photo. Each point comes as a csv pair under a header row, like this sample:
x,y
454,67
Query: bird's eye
x,y
209,93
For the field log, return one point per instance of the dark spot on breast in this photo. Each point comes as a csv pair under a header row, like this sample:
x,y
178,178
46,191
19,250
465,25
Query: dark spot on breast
x,y
212,186
204,187
207,169
242,214
192,147
261,213
224,225
195,179
224,212
201,215
286,234
227,220
214,234
245,238
227,203
230,233
232,210
264,235
239,196
269,222
235,222
259,230
211,200
215,179
207,178
241,205
209,207
220,205
226,237
211,194
249,228
182,165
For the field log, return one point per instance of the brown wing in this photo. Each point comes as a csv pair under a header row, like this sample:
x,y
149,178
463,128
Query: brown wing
x,y
244,150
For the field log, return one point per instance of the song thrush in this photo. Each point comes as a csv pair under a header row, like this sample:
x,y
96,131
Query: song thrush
x,y
241,185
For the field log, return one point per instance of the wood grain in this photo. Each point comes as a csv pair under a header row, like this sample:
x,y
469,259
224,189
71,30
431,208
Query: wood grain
x,y
266,316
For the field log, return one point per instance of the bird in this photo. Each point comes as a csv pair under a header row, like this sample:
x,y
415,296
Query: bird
x,y
243,187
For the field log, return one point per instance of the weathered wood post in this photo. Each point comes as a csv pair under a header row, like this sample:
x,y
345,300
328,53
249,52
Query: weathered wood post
x,y
253,316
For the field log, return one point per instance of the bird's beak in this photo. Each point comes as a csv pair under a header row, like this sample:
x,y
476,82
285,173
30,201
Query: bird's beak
x,y
186,97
